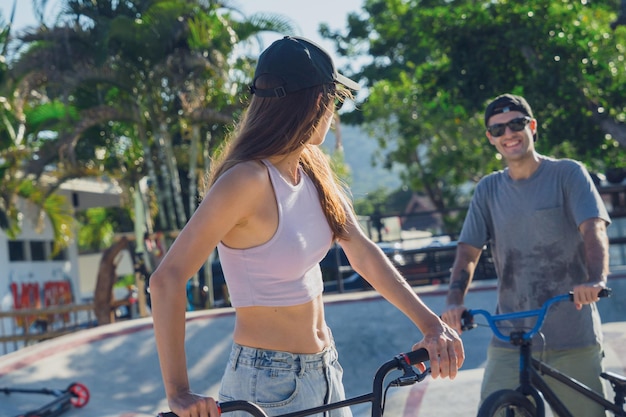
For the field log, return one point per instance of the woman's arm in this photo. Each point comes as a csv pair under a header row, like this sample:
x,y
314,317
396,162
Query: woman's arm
x,y
228,206
443,344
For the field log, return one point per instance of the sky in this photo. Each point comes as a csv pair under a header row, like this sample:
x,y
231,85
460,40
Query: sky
x,y
306,14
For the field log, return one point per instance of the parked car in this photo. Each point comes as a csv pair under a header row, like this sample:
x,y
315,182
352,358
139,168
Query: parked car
x,y
432,264
336,262
429,265
338,274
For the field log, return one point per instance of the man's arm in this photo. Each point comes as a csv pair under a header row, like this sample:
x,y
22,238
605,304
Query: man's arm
x,y
596,244
462,272
596,241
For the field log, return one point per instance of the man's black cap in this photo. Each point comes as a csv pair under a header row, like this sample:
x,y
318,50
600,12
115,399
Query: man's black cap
x,y
506,103
300,64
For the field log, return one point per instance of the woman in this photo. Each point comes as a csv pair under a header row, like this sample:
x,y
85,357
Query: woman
x,y
273,209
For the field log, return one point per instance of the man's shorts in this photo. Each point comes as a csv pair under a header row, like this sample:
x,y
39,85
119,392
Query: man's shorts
x,y
583,364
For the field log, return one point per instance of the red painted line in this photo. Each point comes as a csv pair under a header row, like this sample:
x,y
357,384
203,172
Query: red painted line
x,y
415,399
39,354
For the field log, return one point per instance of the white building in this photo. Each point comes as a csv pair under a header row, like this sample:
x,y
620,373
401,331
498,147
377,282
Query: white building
x,y
28,258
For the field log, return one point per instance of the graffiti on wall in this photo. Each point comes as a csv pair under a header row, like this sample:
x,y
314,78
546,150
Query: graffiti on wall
x,y
30,295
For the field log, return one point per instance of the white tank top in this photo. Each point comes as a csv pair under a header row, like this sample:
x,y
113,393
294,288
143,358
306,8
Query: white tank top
x,y
283,271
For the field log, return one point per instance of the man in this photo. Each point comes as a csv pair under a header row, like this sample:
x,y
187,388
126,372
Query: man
x,y
546,225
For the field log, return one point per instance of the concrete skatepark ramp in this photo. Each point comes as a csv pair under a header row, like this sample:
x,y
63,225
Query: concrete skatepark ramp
x,y
118,362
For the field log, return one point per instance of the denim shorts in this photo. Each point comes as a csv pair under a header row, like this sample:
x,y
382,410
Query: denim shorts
x,y
283,382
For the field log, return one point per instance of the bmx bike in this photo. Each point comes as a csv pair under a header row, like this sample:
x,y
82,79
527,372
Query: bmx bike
x,y
402,362
517,402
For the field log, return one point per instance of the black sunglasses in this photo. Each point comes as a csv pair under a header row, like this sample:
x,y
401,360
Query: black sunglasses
x,y
516,125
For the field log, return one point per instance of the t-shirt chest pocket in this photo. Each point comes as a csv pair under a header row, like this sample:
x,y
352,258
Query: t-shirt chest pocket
x,y
549,224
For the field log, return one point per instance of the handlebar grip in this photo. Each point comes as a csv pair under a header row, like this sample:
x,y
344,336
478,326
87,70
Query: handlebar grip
x,y
604,293
239,405
225,407
467,321
416,356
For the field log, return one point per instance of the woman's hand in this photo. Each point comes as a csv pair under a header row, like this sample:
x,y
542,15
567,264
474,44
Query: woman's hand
x,y
189,404
445,350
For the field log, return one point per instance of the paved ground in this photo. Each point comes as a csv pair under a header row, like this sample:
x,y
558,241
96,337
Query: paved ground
x,y
118,362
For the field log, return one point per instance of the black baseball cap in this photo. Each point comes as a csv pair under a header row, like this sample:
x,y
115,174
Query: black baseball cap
x,y
506,103
300,64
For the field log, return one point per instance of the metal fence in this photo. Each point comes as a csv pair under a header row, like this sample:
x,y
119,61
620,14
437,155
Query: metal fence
x,y
23,327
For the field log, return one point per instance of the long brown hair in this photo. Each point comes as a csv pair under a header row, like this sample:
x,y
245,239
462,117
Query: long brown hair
x,y
278,126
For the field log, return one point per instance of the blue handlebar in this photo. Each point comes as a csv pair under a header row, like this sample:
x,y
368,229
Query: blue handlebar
x,y
540,313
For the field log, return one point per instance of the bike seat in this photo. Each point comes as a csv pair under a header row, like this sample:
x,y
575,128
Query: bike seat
x,y
614,378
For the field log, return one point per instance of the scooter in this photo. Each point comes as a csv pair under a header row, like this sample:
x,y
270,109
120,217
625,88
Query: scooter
x,y
76,395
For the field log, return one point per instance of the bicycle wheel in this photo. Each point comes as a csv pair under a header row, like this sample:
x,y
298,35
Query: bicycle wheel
x,y
507,403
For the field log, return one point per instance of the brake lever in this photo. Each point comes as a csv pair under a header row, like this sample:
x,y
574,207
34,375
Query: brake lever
x,y
410,376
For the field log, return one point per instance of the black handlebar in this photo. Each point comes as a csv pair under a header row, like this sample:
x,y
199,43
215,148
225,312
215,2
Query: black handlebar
x,y
402,361
414,357
467,321
604,293
226,407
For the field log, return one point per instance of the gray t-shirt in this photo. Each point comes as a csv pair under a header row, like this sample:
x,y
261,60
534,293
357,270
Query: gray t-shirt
x,y
531,226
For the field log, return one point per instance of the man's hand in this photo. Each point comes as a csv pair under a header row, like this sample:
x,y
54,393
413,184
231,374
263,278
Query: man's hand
x,y
452,316
587,293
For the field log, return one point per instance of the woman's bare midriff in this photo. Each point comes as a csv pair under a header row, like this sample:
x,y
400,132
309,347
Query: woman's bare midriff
x,y
296,329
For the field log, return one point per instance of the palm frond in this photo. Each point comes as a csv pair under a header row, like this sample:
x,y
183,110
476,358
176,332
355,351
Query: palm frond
x,y
61,216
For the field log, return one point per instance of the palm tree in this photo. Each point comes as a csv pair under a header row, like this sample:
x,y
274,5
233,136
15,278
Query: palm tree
x,y
155,65
15,149
126,81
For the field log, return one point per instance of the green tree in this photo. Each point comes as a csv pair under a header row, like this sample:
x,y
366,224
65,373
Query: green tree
x,y
433,65
97,227
134,78
132,89
15,151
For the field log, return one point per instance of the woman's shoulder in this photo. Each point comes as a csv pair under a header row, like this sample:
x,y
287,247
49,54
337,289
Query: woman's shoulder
x,y
246,172
247,176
